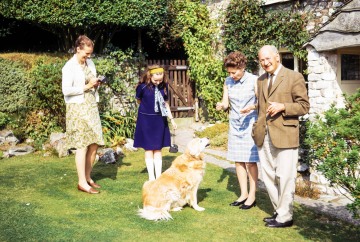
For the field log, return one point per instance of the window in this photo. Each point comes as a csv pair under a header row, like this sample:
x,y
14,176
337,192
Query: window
x,y
350,67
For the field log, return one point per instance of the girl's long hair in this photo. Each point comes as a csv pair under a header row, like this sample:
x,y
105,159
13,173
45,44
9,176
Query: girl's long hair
x,y
146,78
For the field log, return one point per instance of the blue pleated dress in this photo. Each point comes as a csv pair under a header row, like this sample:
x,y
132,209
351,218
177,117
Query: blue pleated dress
x,y
152,130
241,146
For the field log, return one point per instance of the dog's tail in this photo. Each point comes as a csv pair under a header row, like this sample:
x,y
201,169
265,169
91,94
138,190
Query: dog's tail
x,y
155,214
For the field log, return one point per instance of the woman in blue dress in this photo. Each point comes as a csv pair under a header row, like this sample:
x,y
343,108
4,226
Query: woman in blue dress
x,y
152,130
239,91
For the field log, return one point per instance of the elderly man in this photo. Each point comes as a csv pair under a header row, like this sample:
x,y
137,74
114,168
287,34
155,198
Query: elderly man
x,y
282,98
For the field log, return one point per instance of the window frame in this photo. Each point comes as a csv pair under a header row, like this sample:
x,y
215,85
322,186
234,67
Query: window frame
x,y
346,51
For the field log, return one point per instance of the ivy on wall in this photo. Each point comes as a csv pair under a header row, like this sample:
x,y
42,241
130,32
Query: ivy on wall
x,y
197,32
248,27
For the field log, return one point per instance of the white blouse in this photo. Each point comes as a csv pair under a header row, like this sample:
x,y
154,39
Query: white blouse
x,y
73,80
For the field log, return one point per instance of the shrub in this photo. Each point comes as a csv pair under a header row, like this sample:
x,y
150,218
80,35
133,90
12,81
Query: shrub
x,y
116,127
39,125
307,189
14,87
334,145
4,120
122,69
46,90
218,135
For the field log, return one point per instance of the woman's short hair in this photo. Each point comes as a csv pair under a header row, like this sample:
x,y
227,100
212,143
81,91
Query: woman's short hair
x,y
235,59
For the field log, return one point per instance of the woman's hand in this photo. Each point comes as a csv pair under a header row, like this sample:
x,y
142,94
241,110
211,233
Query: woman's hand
x,y
173,123
247,109
93,82
219,106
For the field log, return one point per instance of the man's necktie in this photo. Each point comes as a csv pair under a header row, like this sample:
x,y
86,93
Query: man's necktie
x,y
270,82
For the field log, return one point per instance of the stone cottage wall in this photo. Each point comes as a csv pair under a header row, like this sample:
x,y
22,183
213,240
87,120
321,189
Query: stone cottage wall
x,y
322,81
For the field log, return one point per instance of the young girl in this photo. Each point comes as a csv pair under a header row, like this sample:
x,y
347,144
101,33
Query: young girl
x,y
152,130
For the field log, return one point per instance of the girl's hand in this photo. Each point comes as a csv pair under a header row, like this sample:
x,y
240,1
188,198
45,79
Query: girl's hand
x,y
173,124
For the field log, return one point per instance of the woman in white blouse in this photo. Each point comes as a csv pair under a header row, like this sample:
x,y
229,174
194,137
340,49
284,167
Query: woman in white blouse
x,y
83,126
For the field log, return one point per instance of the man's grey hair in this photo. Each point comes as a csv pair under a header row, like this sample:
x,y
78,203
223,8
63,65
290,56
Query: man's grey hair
x,y
271,47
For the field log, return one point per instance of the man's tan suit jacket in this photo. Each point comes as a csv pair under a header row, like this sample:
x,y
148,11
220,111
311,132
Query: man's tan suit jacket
x,y
289,88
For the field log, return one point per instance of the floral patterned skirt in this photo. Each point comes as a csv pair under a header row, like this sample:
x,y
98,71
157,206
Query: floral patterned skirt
x,y
83,125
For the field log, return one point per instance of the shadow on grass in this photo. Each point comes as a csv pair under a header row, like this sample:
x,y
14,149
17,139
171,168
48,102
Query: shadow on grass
x,y
102,170
203,193
313,224
233,184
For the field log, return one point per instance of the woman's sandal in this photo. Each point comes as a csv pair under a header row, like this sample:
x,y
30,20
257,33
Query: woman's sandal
x,y
91,190
94,185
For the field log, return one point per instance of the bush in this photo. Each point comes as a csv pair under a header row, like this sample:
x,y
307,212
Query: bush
x,y
116,127
334,145
4,120
122,69
47,92
14,87
218,135
39,125
307,189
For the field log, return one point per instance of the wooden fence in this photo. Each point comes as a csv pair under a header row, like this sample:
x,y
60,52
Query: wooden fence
x,y
182,89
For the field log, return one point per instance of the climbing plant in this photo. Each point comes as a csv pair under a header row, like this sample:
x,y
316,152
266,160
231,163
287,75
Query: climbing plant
x,y
248,26
198,32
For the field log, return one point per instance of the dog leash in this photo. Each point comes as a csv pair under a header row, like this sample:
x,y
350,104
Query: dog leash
x,y
173,139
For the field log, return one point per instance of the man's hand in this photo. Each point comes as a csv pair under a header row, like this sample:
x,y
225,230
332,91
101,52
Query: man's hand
x,y
275,108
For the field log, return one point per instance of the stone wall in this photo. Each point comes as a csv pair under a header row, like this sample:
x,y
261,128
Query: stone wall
x,y
322,81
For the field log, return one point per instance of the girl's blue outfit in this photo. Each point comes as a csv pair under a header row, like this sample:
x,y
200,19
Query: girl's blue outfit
x,y
152,129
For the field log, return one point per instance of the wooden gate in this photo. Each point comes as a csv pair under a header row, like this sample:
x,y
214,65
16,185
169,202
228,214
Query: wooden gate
x,y
182,89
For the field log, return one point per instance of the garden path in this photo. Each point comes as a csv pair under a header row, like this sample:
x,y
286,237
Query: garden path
x,y
335,207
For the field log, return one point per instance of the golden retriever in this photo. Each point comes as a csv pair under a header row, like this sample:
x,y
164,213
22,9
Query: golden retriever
x,y
177,186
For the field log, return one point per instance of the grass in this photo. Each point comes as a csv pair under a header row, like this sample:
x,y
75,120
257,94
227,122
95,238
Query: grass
x,y
39,202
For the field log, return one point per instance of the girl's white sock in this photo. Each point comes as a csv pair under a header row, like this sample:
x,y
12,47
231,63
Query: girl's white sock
x,y
150,168
158,167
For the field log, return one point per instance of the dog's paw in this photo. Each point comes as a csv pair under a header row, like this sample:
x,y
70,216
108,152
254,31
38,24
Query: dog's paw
x,y
177,209
198,208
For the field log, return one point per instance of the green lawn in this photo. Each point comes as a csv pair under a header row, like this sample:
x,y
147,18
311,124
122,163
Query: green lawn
x,y
40,202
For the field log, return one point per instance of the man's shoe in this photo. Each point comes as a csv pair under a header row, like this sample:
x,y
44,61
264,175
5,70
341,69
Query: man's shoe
x,y
276,224
272,218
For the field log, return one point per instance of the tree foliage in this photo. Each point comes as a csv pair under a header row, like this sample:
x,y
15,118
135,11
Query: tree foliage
x,y
99,19
334,147
248,27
